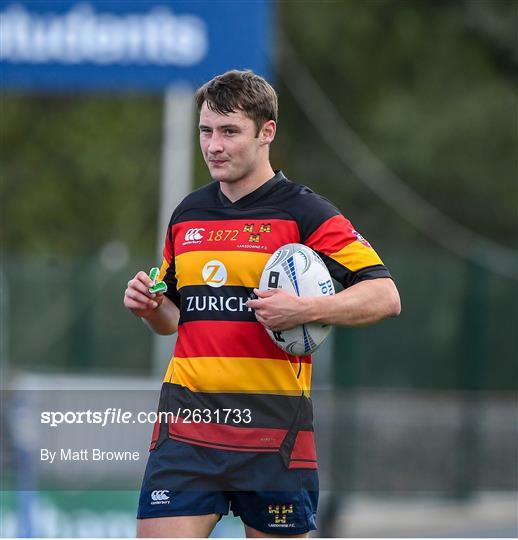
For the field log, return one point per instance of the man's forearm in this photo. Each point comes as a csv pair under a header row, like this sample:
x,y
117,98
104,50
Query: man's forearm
x,y
361,304
164,319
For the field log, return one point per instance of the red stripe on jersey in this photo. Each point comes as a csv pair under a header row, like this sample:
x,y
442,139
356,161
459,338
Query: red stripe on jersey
x,y
302,464
156,433
221,446
237,438
229,339
304,447
332,236
168,248
259,235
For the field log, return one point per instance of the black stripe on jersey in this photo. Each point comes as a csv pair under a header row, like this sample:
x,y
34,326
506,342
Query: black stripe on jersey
x,y
266,410
282,200
347,278
171,282
260,194
371,272
311,210
204,303
224,214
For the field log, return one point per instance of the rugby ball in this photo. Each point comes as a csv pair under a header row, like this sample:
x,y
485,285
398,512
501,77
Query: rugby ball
x,y
299,270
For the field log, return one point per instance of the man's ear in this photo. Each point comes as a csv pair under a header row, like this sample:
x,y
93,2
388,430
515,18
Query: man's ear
x,y
267,133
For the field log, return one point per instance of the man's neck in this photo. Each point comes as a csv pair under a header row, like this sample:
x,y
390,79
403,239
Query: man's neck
x,y
234,191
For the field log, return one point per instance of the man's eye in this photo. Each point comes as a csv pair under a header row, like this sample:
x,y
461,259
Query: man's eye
x,y
230,131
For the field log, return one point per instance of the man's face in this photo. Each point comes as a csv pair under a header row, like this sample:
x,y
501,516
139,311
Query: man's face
x,y
229,144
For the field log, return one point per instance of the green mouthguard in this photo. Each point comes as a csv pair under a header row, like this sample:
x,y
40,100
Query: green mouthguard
x,y
160,287
157,286
153,274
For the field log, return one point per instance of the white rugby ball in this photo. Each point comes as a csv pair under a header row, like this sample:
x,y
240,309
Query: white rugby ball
x,y
298,269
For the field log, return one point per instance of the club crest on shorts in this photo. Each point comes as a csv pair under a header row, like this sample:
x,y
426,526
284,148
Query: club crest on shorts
x,y
280,513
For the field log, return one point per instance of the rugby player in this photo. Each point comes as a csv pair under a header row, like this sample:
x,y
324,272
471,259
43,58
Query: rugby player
x,y
259,459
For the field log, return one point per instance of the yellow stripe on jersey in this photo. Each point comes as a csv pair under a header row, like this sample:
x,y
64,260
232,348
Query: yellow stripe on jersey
x,y
218,268
238,374
356,256
163,270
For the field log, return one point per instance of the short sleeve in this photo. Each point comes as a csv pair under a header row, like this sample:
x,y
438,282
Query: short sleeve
x,y
349,257
168,270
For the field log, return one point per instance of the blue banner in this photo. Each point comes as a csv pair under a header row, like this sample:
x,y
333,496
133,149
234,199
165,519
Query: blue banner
x,y
129,45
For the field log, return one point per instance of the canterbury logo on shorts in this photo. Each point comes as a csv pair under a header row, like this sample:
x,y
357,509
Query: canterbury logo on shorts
x,y
160,496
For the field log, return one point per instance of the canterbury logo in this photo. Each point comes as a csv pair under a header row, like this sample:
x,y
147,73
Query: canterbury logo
x,y
160,495
194,234
214,274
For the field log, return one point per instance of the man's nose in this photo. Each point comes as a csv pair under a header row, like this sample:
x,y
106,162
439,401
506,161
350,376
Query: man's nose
x,y
215,144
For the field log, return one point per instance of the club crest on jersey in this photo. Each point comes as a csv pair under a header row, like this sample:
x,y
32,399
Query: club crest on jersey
x,y
214,273
361,239
280,514
263,228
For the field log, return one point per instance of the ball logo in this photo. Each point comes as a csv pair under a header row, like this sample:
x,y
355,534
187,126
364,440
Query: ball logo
x,y
214,274
326,287
298,269
193,235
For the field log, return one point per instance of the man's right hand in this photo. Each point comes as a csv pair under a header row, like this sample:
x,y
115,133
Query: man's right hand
x,y
137,297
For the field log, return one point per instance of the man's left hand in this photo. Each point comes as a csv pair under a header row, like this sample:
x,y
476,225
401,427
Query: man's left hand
x,y
278,309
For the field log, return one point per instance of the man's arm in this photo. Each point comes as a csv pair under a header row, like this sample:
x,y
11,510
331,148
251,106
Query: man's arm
x,y
361,304
164,319
156,310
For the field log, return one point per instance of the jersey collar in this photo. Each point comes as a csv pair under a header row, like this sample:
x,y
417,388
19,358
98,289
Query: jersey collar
x,y
255,195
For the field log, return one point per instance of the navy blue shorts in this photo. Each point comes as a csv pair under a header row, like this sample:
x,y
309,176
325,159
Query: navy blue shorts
x,y
187,480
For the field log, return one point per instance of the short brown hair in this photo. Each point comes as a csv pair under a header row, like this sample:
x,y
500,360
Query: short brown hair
x,y
240,90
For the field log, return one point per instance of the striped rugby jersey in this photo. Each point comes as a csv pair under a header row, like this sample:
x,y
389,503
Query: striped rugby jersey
x,y
214,254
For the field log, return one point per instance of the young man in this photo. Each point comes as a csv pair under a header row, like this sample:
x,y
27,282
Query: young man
x,y
258,459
